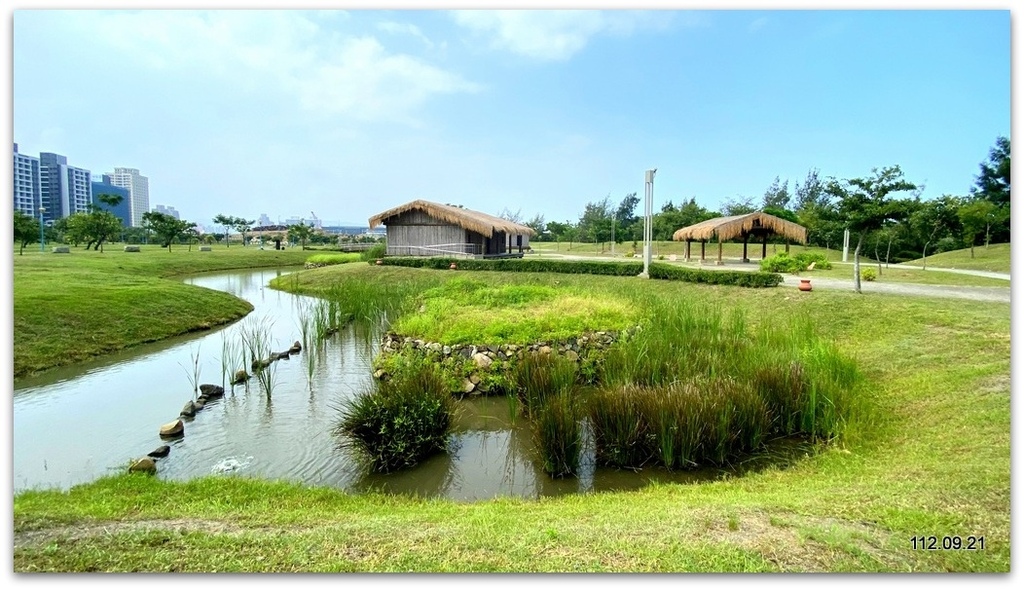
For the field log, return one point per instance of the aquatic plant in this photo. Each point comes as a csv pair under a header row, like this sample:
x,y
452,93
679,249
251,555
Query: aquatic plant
x,y
398,422
558,434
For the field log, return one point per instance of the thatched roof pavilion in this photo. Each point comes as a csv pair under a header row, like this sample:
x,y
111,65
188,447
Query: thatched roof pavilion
x,y
756,224
425,228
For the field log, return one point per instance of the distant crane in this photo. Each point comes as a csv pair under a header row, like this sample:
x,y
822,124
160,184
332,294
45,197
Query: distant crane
x,y
316,220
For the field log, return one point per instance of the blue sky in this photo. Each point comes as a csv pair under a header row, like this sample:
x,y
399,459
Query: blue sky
x,y
347,114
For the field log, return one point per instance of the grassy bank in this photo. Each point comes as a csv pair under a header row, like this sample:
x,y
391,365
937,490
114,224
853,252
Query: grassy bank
x,y
995,258
73,307
931,457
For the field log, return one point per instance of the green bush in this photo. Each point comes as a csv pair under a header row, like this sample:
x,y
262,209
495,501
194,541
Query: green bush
x,y
377,251
805,259
614,268
782,262
402,420
868,274
329,259
558,435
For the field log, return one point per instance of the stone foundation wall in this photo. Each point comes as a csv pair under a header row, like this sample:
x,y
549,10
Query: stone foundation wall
x,y
484,357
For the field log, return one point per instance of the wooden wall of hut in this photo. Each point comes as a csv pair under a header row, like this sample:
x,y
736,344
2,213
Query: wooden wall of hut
x,y
414,233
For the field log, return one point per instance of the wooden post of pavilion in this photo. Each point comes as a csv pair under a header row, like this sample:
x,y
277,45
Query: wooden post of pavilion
x,y
764,246
687,250
745,238
720,251
702,251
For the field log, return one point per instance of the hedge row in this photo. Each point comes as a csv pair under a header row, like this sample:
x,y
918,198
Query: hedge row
x,y
631,268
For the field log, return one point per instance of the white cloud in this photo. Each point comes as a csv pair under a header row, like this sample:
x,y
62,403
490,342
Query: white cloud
x,y
757,24
286,53
406,29
555,34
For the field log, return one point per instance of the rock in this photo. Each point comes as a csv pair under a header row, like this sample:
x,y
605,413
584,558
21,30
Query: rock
x,y
189,410
544,349
200,403
296,347
132,249
468,386
173,428
475,379
260,364
159,452
279,356
379,374
240,377
210,390
466,352
447,350
144,465
205,249
435,346
61,250
482,360
572,355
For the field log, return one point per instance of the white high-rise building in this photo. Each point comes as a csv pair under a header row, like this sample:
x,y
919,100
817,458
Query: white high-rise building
x,y
138,187
167,211
26,184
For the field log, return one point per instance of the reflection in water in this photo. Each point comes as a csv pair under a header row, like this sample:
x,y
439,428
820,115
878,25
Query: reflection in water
x,y
78,423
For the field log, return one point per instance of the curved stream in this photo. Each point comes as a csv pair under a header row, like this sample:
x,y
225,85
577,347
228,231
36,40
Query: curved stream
x,y
75,424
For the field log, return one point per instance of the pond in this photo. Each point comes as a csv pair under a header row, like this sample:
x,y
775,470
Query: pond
x,y
75,424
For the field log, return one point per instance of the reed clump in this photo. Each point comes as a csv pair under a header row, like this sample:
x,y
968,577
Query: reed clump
x,y
400,421
694,386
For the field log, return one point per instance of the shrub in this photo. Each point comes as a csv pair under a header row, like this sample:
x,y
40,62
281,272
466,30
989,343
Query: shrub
x,y
613,268
536,377
400,421
377,251
558,434
868,274
805,259
782,262
329,259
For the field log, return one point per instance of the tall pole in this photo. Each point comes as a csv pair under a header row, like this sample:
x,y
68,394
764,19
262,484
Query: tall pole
x,y
42,235
648,210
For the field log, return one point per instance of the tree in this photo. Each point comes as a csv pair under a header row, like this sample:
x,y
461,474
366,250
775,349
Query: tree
x,y
933,220
865,205
300,233
777,195
507,214
242,225
165,226
93,227
191,234
225,222
738,206
993,184
26,230
537,224
978,216
596,221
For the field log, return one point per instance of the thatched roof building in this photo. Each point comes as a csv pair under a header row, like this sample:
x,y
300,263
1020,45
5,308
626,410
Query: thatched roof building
x,y
425,228
756,224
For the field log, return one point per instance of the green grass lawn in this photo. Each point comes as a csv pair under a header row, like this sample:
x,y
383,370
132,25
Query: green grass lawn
x,y
931,457
73,307
995,258
899,274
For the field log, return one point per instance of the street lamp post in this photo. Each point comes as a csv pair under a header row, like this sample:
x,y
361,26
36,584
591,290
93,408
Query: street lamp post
x,y
42,235
648,211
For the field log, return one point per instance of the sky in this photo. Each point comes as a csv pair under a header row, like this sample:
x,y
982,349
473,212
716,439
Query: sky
x,y
343,114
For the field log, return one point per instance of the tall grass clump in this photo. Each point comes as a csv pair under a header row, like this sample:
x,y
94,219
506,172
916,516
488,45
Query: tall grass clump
x,y
256,342
621,432
400,421
696,386
194,370
377,251
535,377
558,434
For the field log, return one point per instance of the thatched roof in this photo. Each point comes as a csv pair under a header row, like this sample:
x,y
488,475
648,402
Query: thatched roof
x,y
737,226
480,223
